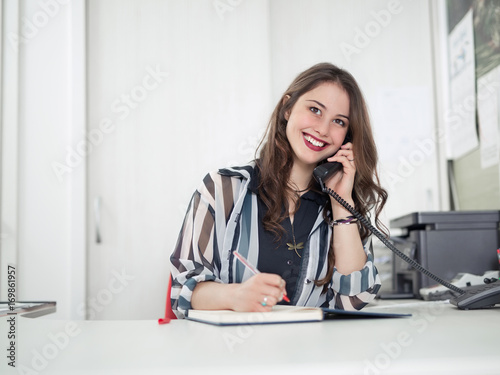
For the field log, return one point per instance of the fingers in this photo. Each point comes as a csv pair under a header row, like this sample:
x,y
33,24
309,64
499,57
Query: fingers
x,y
347,146
343,183
275,294
273,285
265,291
345,156
267,302
345,151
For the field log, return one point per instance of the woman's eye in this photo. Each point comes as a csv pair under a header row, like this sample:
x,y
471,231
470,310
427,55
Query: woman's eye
x,y
315,110
339,121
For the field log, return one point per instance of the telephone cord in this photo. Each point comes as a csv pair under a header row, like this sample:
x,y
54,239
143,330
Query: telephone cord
x,y
387,243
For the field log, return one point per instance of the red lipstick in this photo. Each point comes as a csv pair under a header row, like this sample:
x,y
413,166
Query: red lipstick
x,y
311,146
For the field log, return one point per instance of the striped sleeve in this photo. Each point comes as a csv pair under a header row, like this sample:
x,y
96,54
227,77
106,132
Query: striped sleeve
x,y
356,290
193,259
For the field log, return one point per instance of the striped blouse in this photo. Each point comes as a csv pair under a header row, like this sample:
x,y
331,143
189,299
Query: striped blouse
x,y
222,218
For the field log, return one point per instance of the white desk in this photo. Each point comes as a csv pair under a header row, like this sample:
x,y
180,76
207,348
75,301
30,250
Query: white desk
x,y
437,339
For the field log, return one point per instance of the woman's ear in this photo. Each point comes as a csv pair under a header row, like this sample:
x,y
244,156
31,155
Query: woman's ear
x,y
287,113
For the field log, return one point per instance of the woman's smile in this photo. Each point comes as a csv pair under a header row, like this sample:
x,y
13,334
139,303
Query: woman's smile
x,y
318,123
314,143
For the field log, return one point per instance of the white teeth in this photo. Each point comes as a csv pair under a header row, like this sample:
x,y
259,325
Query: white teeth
x,y
314,141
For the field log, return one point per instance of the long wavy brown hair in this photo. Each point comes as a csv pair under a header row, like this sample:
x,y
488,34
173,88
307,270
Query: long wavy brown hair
x,y
276,156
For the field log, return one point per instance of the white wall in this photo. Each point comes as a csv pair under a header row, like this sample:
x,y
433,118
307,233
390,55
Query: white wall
x,y
386,45
204,110
48,246
396,60
9,150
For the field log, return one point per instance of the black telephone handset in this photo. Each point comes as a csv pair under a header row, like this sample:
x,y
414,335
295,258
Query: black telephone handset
x,y
327,169
478,297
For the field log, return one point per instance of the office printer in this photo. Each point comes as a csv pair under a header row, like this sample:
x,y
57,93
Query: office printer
x,y
446,243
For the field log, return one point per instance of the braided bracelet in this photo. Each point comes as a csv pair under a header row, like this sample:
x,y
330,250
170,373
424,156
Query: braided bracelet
x,y
347,220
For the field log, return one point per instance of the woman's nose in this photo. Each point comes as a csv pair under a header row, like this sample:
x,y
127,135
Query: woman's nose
x,y
321,127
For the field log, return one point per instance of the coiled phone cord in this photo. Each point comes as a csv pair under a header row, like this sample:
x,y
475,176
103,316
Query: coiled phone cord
x,y
386,242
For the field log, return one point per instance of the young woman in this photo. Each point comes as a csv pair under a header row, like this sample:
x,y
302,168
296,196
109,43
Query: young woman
x,y
273,212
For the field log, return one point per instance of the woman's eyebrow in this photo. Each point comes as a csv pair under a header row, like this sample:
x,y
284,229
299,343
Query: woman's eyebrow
x,y
324,107
318,103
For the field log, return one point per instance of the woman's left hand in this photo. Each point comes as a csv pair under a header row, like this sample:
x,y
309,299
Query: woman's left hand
x,y
343,183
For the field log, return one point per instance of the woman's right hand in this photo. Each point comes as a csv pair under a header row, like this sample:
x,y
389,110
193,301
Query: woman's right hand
x,y
259,293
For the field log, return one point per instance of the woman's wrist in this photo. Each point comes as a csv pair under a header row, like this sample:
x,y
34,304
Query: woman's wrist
x,y
343,221
230,296
211,295
339,211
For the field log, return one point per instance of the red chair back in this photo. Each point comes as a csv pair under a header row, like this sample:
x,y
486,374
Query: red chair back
x,y
169,314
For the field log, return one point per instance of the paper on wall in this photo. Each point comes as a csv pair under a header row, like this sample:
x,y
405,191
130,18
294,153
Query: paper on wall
x,y
489,120
460,119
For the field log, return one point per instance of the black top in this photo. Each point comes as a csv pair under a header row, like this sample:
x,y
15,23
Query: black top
x,y
284,256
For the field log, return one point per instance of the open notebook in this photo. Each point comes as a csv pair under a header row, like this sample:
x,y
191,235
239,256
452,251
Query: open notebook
x,y
281,314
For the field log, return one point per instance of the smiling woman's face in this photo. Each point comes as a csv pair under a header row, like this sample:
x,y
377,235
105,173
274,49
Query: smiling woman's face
x,y
318,123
